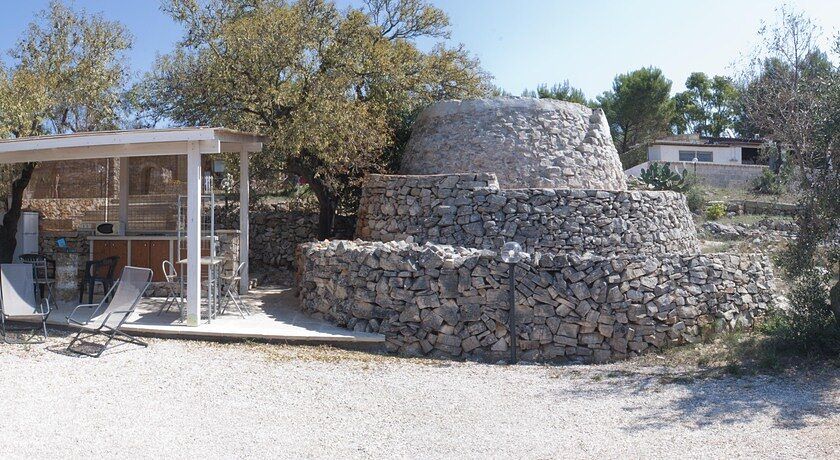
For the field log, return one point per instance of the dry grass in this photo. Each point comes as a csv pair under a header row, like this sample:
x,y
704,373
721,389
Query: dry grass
x,y
749,219
732,194
733,354
726,354
283,353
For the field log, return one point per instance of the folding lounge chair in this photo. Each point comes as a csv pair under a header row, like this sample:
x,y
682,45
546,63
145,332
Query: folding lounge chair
x,y
17,301
107,319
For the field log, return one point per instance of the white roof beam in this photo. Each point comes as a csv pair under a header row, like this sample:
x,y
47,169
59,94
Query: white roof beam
x,y
106,151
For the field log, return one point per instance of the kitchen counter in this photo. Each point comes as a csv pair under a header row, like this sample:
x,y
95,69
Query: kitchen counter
x,y
151,250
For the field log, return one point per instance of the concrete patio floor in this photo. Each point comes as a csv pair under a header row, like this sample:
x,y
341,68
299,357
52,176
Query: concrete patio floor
x,y
275,316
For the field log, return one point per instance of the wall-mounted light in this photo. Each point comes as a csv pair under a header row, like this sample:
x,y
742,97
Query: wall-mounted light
x,y
512,254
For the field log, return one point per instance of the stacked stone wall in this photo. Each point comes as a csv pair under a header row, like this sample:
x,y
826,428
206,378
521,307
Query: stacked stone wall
x,y
611,273
447,301
534,143
277,231
470,210
71,209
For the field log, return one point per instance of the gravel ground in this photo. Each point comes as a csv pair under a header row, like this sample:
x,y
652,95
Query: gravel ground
x,y
190,398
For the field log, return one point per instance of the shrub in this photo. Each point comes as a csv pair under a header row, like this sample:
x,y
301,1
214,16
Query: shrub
x,y
696,199
661,177
809,327
769,183
715,211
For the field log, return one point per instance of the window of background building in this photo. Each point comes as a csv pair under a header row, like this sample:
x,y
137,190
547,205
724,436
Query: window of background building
x,y
686,155
689,155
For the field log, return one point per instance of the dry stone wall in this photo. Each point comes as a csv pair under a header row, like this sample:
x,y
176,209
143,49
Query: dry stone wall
x,y
277,231
471,210
529,143
448,301
611,272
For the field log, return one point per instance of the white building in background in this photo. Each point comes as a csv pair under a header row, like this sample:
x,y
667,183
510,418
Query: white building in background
x,y
726,162
726,150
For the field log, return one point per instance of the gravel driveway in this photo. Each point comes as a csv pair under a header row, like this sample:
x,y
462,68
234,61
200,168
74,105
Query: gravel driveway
x,y
190,399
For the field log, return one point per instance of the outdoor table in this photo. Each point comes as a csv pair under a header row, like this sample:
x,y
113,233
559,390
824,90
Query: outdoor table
x,y
212,264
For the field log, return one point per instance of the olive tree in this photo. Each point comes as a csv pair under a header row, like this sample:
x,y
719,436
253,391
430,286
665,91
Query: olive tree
x,y
66,75
333,90
793,97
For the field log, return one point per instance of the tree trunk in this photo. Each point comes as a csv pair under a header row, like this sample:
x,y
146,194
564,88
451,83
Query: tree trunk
x,y
834,299
8,231
326,208
326,217
327,201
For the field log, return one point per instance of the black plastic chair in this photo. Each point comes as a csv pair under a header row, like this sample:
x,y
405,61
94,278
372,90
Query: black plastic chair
x,y
44,273
98,271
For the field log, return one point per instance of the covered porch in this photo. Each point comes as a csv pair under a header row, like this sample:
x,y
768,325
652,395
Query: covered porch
x,y
274,314
147,247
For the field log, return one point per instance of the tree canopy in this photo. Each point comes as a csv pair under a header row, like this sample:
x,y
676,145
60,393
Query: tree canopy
x,y
67,74
560,91
334,91
707,106
639,110
793,97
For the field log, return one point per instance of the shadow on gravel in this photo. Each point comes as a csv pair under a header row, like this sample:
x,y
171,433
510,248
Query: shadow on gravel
x,y
793,399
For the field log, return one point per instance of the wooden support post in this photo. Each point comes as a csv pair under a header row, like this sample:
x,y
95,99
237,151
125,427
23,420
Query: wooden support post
x,y
244,200
125,176
194,190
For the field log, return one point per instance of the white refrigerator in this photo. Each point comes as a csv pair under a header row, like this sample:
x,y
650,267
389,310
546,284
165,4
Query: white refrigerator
x,y
27,234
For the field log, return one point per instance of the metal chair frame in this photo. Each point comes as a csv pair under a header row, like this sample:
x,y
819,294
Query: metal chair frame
x,y
42,265
112,333
230,287
173,283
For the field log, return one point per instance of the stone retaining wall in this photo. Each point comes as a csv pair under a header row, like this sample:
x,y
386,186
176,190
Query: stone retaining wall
x,y
723,175
764,207
276,232
64,214
447,301
64,208
470,210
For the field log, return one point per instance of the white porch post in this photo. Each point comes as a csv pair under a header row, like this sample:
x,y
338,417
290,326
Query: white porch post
x,y
244,200
193,234
124,178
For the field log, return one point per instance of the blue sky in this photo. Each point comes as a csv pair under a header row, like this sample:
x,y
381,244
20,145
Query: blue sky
x,y
524,43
